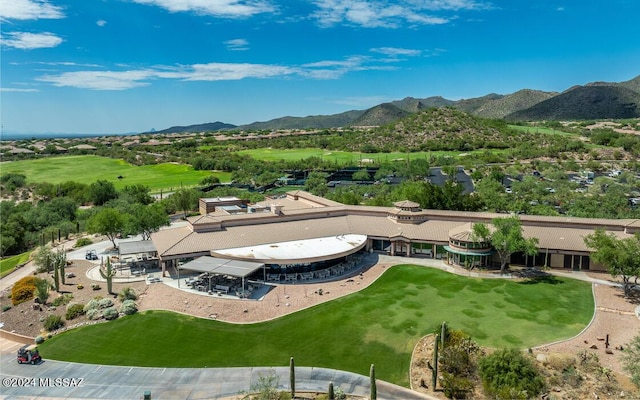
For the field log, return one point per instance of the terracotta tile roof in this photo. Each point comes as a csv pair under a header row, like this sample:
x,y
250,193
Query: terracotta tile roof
x,y
307,218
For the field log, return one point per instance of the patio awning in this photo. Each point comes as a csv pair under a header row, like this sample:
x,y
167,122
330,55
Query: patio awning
x,y
468,253
136,247
221,266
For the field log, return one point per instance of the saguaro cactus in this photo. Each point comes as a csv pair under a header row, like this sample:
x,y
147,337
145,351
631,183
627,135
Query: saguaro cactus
x,y
434,378
331,394
443,334
292,377
372,379
108,274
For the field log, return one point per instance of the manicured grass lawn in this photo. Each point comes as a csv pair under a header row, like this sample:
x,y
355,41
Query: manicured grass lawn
x,y
88,169
344,157
540,129
378,325
7,265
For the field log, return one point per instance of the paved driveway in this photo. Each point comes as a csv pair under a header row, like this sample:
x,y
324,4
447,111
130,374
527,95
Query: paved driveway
x,y
55,379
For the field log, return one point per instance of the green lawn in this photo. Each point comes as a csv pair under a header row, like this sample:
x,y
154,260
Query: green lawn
x,y
379,325
345,157
88,169
540,129
7,265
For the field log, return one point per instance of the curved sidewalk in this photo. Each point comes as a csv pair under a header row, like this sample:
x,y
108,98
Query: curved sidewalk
x,y
88,381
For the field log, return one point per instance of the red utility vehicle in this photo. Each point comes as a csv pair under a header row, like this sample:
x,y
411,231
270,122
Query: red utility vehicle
x,y
28,354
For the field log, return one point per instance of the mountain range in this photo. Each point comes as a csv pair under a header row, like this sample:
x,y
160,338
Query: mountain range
x,y
595,100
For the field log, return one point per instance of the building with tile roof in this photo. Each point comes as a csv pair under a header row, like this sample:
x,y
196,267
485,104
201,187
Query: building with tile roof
x,y
402,230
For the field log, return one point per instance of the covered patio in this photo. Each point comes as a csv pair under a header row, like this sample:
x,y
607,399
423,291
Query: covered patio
x,y
221,276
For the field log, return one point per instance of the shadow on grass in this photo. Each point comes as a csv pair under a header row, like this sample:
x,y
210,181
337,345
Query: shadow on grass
x,y
534,276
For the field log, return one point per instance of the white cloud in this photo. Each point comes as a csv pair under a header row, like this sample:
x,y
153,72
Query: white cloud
x,y
218,8
395,51
30,41
227,71
237,44
100,80
450,5
373,14
101,23
29,9
5,89
131,78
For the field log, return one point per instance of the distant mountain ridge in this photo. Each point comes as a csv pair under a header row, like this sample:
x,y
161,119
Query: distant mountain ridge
x,y
595,100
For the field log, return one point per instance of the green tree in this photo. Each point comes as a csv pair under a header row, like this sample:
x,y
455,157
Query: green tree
x,y
361,175
102,191
138,194
185,200
43,259
316,183
509,374
621,257
506,237
148,219
108,222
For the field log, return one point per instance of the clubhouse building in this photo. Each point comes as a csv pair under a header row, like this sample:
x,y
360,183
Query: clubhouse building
x,y
298,236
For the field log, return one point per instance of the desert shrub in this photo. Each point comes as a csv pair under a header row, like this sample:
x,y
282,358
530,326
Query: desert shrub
x,y
91,305
42,290
127,294
62,300
6,307
509,374
82,242
110,313
93,314
455,387
631,360
95,286
23,290
105,303
53,322
39,339
129,307
458,364
74,311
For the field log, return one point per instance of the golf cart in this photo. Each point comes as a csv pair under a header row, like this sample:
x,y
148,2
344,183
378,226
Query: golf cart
x,y
28,354
91,255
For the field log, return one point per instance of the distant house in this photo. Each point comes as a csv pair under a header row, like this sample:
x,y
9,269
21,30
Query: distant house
x,y
83,147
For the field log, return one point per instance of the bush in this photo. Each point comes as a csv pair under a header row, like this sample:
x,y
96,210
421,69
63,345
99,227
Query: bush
x,y
6,307
23,290
74,311
62,300
105,303
110,313
91,305
95,286
82,242
39,339
129,307
127,294
456,387
93,314
631,360
509,374
80,286
53,322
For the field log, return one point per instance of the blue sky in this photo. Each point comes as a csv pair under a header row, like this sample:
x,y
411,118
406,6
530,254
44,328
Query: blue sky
x,y
116,66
